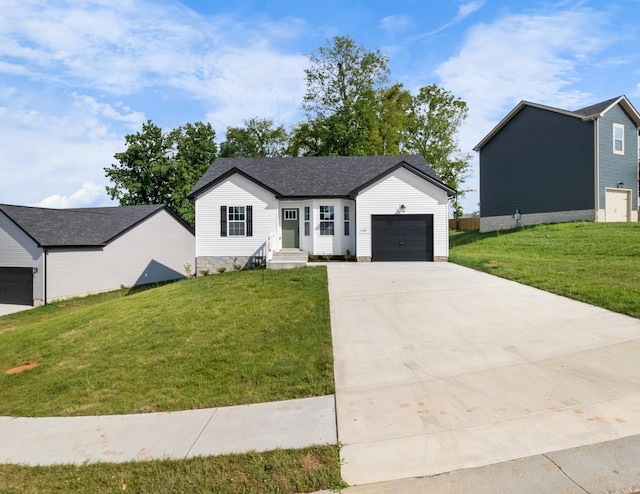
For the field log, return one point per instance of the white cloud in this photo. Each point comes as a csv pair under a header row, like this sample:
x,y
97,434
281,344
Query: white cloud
x,y
464,11
535,57
45,155
524,57
121,114
77,65
394,23
255,83
86,195
124,47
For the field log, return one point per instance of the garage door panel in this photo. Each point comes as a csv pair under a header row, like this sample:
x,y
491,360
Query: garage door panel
x,y
16,285
617,205
402,237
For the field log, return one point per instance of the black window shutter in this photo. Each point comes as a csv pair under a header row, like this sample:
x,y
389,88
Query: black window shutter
x,y
223,221
249,221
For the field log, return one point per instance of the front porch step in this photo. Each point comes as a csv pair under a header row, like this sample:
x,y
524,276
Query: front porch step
x,y
288,258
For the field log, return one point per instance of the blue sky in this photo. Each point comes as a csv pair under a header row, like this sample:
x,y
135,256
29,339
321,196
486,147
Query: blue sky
x,y
77,75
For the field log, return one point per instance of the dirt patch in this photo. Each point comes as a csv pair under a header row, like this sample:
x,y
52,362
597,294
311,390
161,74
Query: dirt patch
x,y
23,367
311,463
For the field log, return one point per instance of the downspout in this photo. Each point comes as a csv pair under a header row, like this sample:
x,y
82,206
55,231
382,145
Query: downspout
x,y
596,131
44,276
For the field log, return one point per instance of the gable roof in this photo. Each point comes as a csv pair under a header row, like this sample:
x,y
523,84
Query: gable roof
x,y
80,227
587,113
316,176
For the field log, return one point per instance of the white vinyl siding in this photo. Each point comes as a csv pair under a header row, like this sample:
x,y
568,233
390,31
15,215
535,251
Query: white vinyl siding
x,y
236,190
392,191
18,250
155,250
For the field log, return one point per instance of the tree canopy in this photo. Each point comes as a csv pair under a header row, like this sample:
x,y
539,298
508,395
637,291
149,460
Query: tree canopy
x,y
161,168
258,138
350,109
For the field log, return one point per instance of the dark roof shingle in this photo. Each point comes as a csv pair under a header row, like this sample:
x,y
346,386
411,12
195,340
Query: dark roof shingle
x,y
77,227
597,108
315,176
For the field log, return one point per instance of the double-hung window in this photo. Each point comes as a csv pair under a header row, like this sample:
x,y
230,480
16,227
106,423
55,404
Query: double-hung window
x,y
346,221
326,220
236,221
307,221
618,138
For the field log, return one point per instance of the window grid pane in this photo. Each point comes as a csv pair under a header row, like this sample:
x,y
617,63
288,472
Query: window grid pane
x,y
236,221
326,213
326,228
326,220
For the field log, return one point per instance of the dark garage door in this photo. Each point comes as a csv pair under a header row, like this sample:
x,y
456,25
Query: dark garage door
x,y
16,286
402,237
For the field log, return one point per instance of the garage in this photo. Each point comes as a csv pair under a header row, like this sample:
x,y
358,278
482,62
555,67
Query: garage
x,y
402,237
16,286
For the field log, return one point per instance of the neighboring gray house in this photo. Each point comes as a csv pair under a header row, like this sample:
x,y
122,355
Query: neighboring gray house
x,y
544,165
52,254
379,208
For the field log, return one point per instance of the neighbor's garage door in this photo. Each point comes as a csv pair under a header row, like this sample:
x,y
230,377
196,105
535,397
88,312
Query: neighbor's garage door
x,y
617,204
16,286
402,237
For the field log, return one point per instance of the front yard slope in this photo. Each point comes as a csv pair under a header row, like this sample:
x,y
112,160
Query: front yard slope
x,y
598,263
229,339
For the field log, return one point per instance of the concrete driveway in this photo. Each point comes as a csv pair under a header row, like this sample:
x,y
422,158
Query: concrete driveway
x,y
440,368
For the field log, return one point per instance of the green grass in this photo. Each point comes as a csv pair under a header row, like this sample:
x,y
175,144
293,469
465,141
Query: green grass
x,y
598,263
229,339
280,471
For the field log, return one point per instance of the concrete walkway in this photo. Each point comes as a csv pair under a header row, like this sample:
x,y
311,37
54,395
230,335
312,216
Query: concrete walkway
x,y
185,434
440,368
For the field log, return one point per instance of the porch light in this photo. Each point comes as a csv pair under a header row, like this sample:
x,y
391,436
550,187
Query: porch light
x,y
403,208
620,184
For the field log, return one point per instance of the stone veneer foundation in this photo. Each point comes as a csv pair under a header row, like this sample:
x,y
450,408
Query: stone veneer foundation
x,y
214,264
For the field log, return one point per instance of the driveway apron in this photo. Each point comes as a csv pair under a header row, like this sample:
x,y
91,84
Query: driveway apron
x,y
440,368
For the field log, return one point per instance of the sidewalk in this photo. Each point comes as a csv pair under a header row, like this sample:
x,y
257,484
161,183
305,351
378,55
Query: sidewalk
x,y
185,434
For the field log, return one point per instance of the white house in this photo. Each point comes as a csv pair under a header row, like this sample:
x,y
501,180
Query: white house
x,y
376,208
52,254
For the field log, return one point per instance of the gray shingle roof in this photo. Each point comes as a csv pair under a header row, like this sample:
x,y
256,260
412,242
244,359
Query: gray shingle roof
x,y
77,227
597,108
316,176
586,113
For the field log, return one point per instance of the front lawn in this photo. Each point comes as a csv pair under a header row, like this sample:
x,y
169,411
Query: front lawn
x,y
598,263
228,339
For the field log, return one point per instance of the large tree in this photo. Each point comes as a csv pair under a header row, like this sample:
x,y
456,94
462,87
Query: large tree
x,y
351,110
431,129
161,167
258,138
340,99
